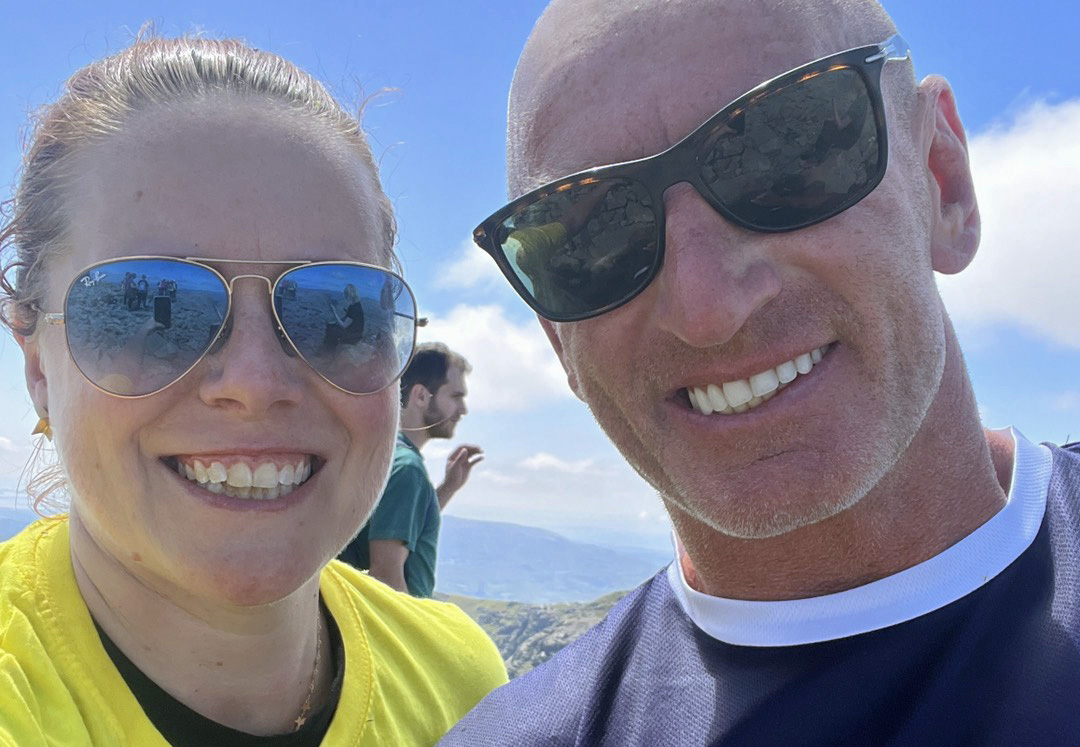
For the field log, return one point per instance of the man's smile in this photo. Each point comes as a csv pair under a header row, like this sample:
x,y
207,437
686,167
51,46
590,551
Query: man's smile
x,y
740,395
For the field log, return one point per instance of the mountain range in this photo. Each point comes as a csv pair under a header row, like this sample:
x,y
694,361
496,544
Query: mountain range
x,y
12,521
512,562
506,562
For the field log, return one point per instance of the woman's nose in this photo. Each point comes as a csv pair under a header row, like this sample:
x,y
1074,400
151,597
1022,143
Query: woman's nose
x,y
251,370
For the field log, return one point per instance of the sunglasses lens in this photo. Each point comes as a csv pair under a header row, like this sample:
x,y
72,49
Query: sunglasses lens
x,y
355,325
583,249
797,153
134,326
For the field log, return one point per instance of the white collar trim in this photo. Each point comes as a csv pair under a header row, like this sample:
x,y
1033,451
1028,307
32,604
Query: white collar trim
x,y
903,596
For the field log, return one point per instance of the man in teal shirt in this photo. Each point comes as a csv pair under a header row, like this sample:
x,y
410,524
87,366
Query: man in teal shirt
x,y
399,543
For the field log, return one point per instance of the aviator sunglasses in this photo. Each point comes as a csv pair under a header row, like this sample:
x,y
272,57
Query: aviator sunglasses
x,y
136,325
793,151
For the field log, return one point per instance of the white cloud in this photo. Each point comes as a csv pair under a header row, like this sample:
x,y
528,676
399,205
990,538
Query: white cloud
x,y
472,268
498,478
436,450
1027,178
513,367
604,499
545,461
1067,401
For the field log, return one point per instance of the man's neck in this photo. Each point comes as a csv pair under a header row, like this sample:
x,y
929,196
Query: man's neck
x,y
948,482
248,668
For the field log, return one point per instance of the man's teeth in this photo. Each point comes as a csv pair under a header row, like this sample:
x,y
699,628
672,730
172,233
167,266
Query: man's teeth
x,y
745,394
239,480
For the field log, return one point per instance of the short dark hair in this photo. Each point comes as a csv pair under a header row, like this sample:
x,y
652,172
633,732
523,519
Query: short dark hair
x,y
431,367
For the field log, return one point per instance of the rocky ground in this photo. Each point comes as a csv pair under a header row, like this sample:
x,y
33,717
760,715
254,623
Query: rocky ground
x,y
530,634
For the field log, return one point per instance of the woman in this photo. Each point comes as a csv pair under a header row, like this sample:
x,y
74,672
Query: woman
x,y
347,329
187,599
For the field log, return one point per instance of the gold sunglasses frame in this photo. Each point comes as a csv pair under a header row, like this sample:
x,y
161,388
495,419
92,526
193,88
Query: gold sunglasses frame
x,y
56,318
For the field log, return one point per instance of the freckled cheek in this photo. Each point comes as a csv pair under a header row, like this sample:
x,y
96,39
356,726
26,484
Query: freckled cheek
x,y
98,476
372,432
372,424
98,441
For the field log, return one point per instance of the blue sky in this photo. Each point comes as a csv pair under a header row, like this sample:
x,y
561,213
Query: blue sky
x,y
437,74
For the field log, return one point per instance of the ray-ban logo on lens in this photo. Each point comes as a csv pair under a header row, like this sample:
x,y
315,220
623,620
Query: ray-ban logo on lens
x,y
93,279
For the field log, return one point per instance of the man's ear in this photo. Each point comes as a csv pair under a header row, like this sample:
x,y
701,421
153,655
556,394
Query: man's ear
x,y
419,394
36,382
955,229
556,343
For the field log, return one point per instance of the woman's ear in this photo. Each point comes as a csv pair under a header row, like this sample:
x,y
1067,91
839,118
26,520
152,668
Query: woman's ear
x,y
36,382
955,229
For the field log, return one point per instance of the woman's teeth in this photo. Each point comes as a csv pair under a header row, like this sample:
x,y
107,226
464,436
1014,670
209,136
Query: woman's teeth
x,y
265,481
733,397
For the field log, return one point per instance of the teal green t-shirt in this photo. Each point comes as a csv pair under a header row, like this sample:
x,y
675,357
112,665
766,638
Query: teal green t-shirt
x,y
408,511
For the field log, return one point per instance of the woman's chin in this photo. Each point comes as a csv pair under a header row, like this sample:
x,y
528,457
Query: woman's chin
x,y
252,581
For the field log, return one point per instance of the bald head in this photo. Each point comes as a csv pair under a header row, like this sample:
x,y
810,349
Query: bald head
x,y
650,71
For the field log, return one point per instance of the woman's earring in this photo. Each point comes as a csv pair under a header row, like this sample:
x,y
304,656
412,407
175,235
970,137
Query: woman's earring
x,y
43,427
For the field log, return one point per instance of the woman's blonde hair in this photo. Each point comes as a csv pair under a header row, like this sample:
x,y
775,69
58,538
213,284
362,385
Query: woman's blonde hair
x,y
97,102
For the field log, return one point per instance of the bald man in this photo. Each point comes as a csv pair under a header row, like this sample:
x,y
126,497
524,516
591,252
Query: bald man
x,y
749,311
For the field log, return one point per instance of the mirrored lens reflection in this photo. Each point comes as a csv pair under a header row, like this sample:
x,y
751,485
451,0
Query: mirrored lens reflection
x,y
583,248
797,153
135,325
354,325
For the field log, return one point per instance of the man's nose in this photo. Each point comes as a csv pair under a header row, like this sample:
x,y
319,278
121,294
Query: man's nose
x,y
251,372
715,274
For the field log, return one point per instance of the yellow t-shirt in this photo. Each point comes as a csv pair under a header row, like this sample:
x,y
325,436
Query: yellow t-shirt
x,y
532,247
414,667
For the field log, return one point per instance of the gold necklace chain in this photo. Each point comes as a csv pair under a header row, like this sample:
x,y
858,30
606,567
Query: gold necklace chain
x,y
306,707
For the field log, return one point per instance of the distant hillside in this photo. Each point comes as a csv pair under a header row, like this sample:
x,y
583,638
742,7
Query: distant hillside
x,y
511,562
13,520
530,634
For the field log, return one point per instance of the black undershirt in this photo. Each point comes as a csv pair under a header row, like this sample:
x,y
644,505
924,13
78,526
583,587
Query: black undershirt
x,y
183,727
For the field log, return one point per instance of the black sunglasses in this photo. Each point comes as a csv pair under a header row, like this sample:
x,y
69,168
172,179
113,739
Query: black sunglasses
x,y
136,325
791,152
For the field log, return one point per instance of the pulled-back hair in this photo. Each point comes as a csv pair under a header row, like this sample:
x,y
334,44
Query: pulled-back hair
x,y
98,101
431,366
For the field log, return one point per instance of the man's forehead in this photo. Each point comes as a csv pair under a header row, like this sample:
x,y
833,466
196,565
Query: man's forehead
x,y
632,92
455,378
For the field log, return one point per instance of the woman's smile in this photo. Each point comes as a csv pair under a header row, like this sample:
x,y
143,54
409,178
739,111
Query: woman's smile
x,y
263,477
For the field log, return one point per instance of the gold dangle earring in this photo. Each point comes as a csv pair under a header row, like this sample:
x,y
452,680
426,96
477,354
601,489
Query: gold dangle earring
x,y
43,427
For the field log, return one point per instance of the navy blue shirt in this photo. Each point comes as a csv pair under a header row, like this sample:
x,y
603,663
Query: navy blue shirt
x,y
999,666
